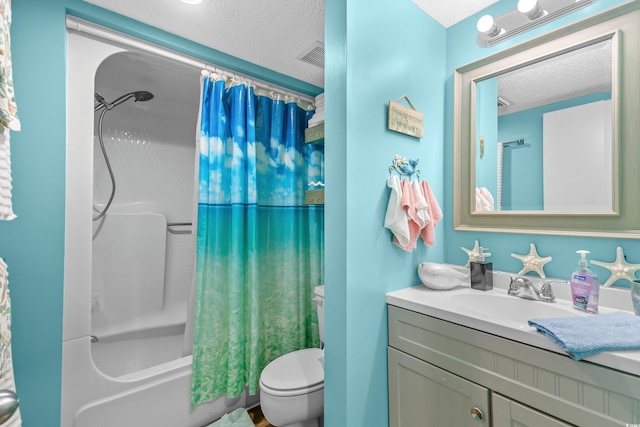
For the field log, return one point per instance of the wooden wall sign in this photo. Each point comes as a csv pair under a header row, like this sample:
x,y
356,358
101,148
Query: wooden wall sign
x,y
405,120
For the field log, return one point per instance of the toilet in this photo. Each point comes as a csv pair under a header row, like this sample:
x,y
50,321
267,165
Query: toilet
x,y
292,386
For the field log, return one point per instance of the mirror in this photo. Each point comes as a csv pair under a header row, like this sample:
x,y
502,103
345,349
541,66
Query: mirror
x,y
510,107
547,134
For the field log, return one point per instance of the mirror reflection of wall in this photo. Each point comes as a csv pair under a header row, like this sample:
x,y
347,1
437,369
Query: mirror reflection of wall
x,y
561,107
577,158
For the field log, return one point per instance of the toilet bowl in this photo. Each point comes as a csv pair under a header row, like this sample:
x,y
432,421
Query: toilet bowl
x,y
292,386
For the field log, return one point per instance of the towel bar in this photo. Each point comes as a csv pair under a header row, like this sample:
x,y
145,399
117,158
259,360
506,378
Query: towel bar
x,y
179,224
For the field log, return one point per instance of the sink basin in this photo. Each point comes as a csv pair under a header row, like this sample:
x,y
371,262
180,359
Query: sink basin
x,y
497,313
504,307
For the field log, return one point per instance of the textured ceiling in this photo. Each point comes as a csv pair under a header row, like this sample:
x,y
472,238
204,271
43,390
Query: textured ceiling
x,y
275,33
577,73
450,12
269,33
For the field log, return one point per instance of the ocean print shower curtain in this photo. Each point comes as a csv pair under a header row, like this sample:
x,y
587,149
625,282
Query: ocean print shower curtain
x,y
259,247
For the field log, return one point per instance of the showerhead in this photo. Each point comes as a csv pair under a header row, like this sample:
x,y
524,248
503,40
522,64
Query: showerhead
x,y
140,95
143,95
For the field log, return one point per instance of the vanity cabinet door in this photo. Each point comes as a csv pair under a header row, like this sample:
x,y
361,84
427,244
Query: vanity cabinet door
x,y
422,395
508,413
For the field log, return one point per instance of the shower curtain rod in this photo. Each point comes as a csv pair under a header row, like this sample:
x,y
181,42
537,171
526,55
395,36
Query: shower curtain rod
x,y
85,27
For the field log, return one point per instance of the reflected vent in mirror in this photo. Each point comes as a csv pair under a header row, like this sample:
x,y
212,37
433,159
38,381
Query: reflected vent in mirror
x,y
503,102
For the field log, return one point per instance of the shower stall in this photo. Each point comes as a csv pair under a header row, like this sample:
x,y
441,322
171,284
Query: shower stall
x,y
130,236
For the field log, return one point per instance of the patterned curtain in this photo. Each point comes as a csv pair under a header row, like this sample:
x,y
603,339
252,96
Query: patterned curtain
x,y
7,381
259,247
8,111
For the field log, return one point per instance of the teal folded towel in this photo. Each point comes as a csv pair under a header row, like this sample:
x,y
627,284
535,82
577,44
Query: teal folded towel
x,y
585,336
237,418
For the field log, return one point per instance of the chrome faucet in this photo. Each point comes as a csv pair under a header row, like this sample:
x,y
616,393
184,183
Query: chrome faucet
x,y
522,287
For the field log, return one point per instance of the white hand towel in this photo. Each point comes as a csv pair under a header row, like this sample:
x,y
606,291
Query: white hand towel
x,y
396,218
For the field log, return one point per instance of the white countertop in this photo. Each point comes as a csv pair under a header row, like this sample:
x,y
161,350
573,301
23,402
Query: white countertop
x,y
443,305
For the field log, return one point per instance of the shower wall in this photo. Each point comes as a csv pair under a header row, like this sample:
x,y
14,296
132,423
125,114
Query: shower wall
x,y
151,148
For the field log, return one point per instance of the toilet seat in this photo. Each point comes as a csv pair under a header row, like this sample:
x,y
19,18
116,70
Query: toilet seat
x,y
295,373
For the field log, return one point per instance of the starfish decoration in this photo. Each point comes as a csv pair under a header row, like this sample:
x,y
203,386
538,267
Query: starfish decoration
x,y
620,268
532,262
473,253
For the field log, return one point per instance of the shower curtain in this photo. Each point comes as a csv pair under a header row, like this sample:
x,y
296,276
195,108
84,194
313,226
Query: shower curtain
x,y
259,247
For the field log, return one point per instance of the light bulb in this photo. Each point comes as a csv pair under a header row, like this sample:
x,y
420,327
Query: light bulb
x,y
531,8
487,25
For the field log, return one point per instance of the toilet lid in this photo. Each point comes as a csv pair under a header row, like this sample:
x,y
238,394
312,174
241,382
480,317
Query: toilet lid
x,y
296,370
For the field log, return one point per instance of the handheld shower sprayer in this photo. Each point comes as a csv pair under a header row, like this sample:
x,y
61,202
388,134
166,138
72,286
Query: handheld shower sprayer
x,y
101,103
140,96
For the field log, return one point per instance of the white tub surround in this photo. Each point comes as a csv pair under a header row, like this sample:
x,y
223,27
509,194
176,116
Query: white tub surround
x,y
128,276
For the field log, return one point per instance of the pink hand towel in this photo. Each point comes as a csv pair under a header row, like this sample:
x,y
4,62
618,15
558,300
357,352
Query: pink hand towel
x,y
484,200
435,213
487,197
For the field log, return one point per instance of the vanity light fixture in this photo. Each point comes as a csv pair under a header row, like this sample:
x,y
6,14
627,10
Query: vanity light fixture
x,y
526,16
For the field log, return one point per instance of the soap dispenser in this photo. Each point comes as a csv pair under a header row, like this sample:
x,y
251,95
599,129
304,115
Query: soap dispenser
x,y
585,288
481,272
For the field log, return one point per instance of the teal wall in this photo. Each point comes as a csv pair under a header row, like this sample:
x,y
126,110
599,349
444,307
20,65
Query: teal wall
x,y
522,178
461,50
376,51
33,244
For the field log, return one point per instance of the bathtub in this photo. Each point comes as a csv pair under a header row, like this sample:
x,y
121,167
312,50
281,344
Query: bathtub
x,y
136,377
128,354
155,396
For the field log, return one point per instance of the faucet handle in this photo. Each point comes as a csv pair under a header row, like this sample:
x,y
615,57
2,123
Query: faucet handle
x,y
517,283
546,292
514,286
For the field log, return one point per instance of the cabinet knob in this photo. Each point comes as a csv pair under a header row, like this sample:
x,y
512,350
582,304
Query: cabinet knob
x,y
476,414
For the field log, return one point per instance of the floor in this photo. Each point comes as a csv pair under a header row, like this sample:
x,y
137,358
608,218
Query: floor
x,y
258,419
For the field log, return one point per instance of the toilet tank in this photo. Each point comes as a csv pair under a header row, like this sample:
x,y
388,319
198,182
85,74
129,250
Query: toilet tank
x,y
318,298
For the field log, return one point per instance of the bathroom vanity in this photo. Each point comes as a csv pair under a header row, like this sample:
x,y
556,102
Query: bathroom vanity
x,y
468,358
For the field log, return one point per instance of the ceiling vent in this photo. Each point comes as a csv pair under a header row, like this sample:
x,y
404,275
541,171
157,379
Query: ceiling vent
x,y
503,102
313,55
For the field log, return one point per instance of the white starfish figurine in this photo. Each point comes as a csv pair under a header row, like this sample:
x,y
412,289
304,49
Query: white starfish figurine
x,y
473,253
532,261
620,268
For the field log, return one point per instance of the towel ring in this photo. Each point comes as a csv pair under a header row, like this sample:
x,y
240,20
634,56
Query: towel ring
x,y
404,167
